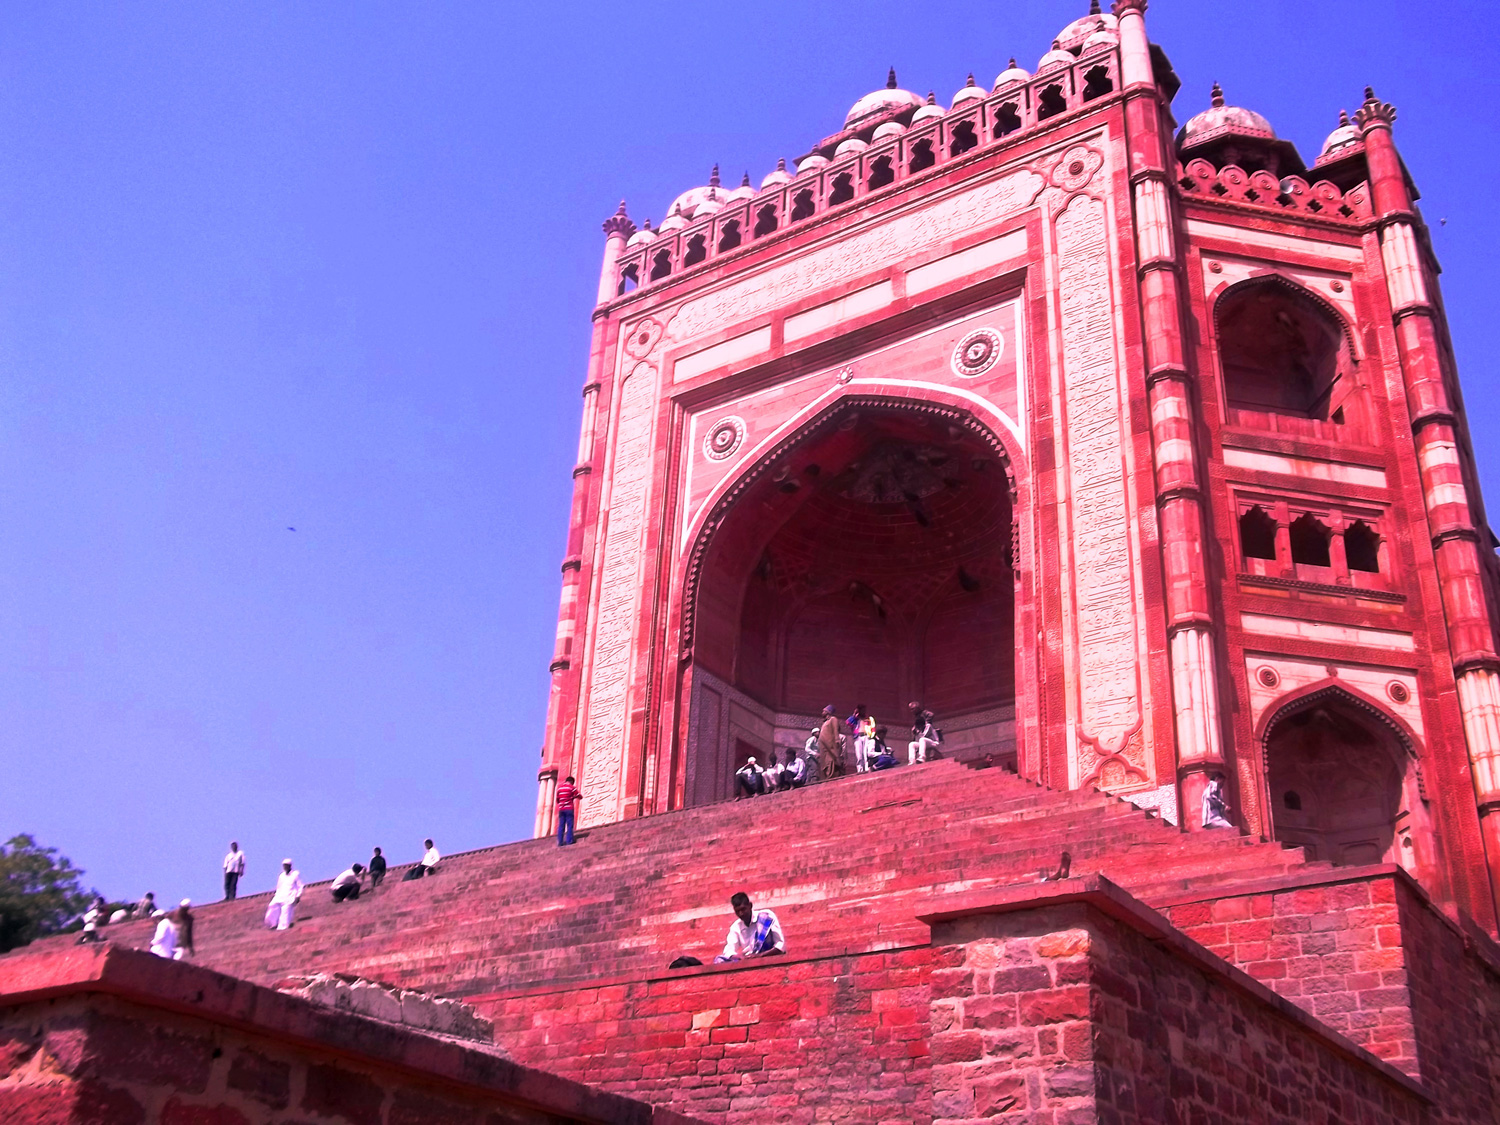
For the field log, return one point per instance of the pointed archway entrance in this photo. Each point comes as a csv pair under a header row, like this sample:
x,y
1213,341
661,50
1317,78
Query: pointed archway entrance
x,y
869,562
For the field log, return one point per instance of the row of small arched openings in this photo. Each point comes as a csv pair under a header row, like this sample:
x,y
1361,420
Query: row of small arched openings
x,y
1051,100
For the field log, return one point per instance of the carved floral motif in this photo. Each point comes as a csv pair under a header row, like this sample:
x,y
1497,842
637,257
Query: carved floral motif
x,y
1108,676
1076,167
641,337
724,439
977,352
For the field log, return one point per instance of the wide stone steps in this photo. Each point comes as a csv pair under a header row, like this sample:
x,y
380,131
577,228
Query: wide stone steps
x,y
845,864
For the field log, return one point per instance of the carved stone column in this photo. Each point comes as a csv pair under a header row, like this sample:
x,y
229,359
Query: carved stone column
x,y
1450,514
562,702
1179,497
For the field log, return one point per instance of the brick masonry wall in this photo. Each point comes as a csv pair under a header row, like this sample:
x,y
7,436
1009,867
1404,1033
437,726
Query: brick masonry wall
x,y
828,1039
1062,1014
96,1060
1335,950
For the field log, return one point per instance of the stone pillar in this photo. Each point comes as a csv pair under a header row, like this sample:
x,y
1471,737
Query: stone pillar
x,y
1179,496
1450,514
562,701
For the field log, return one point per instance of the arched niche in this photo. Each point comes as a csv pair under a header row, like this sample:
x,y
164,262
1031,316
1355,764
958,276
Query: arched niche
x,y
869,560
1343,781
1287,361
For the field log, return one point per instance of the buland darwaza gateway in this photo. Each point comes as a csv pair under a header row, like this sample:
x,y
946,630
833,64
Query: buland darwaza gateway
x,y
1137,454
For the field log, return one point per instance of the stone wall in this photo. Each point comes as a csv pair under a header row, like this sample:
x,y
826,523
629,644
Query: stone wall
x,y
102,1036
1083,1006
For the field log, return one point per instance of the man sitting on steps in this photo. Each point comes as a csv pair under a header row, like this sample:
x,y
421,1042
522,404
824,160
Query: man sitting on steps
x,y
346,886
755,933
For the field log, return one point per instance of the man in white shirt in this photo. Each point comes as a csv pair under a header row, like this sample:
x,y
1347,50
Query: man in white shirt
x,y
755,933
428,866
749,781
346,886
234,867
284,902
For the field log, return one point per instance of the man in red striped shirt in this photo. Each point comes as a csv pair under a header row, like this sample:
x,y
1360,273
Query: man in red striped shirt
x,y
567,801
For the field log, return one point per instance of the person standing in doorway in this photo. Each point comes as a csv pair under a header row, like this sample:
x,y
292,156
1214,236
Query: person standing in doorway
x,y
830,748
862,724
234,867
568,797
812,752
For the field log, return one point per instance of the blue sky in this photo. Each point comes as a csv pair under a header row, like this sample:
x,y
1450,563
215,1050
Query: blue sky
x,y
330,267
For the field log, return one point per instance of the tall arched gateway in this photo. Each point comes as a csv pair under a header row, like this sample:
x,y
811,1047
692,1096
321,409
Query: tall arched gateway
x,y
870,561
1234,469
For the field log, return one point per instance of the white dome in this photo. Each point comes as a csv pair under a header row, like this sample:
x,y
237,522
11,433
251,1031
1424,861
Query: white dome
x,y
1104,37
1055,58
1347,135
891,99
969,93
1011,75
1220,120
700,200
888,130
642,236
744,191
1077,33
929,110
674,221
811,164
779,176
849,147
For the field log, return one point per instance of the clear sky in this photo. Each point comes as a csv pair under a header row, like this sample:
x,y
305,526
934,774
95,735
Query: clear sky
x,y
329,267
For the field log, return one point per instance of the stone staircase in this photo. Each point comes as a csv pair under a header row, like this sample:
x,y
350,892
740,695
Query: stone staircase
x,y
844,864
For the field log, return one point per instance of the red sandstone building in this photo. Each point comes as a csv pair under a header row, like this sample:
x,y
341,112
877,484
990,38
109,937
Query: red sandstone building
x,y
1138,455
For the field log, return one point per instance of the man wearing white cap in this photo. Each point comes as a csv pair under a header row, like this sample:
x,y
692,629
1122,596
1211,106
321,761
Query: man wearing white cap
x,y
284,902
749,780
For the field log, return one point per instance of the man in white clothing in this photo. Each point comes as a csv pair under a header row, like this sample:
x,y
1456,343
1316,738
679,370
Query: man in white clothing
x,y
755,933
234,867
428,866
284,902
346,886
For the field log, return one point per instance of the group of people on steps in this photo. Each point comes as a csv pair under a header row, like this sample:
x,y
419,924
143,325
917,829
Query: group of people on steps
x,y
825,754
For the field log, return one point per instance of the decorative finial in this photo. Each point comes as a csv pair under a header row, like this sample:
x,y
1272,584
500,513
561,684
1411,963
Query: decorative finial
x,y
932,97
1013,63
647,224
970,82
619,223
1218,96
713,177
1343,118
746,181
1094,8
890,79
1374,111
781,164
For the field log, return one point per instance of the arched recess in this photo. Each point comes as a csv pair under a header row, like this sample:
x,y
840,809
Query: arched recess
x,y
868,558
1343,780
1288,361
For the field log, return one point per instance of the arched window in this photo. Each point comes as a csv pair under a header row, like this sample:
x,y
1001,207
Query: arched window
x,y
630,278
921,157
1281,351
1097,83
1051,103
697,250
661,265
963,140
843,189
1362,547
1007,120
802,206
765,220
729,235
881,173
1310,538
1258,534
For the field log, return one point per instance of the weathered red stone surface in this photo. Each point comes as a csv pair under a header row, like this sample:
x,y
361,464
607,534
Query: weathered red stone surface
x,y
102,1035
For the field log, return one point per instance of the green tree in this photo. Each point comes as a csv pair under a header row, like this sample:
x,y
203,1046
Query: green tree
x,y
40,892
